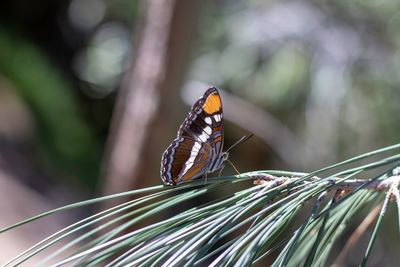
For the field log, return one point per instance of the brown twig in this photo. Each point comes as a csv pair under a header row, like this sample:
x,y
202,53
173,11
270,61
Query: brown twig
x,y
356,235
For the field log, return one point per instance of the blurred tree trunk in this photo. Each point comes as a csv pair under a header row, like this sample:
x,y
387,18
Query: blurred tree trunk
x,y
149,90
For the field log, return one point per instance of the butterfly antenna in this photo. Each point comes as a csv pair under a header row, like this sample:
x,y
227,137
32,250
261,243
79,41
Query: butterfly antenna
x,y
233,166
241,140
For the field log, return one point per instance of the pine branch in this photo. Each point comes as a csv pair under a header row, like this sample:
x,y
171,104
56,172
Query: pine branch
x,y
239,227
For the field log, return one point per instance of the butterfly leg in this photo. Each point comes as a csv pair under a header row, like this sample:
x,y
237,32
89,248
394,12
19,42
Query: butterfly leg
x,y
238,173
205,177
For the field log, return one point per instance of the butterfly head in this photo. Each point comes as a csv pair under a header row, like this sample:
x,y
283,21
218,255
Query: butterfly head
x,y
224,157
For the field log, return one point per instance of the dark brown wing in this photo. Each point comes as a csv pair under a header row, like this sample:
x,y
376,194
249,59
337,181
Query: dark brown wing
x,y
184,159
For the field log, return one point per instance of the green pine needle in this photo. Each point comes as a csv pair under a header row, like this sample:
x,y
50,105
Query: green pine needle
x,y
241,226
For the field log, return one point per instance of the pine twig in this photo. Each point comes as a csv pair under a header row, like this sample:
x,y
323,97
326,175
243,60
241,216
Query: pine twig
x,y
391,183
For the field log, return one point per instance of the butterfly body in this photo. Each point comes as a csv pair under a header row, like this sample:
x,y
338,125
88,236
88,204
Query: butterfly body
x,y
197,149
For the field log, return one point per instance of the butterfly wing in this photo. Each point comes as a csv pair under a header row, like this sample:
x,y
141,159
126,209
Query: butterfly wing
x,y
204,122
184,159
198,146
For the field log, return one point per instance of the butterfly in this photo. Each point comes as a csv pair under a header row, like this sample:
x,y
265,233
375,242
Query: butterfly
x,y
197,149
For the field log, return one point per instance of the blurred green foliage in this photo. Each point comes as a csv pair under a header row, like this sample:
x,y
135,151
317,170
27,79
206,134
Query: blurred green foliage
x,y
310,64
64,139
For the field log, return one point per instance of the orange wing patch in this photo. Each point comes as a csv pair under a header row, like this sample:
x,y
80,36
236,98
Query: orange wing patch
x,y
218,139
212,104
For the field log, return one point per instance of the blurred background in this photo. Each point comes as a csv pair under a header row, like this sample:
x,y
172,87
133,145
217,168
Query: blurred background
x,y
93,91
